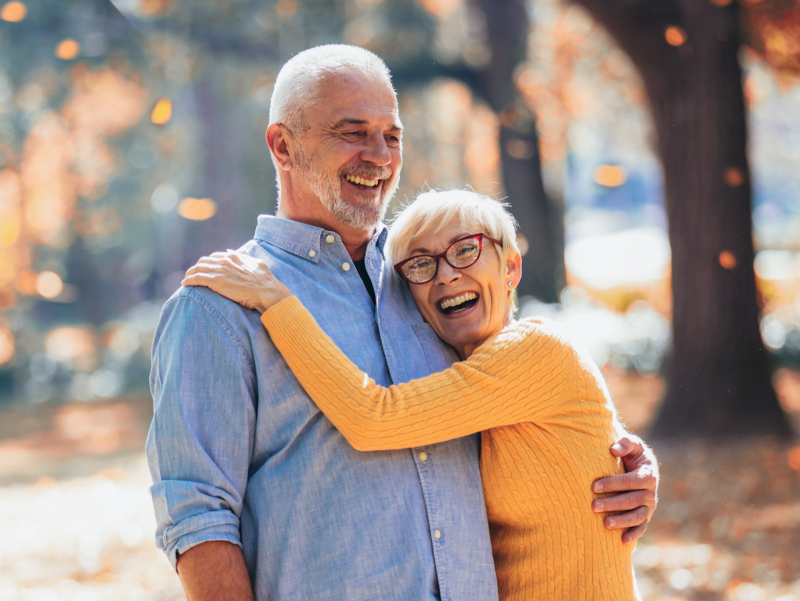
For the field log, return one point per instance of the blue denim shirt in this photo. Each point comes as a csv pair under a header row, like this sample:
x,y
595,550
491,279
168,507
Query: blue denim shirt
x,y
239,452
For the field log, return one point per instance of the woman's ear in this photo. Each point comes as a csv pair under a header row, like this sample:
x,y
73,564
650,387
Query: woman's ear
x,y
280,144
513,269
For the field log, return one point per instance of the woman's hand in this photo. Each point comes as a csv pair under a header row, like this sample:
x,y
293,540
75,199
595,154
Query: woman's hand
x,y
241,278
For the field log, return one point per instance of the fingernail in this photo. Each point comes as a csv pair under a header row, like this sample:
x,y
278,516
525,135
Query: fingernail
x,y
597,487
617,447
611,522
598,506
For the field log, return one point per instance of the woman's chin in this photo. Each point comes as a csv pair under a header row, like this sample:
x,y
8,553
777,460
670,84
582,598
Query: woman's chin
x,y
461,337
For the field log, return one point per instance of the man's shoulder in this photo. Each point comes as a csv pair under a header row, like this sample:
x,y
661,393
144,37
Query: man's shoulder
x,y
199,311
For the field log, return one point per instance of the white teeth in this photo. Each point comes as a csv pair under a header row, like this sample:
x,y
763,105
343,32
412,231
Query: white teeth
x,y
371,183
454,302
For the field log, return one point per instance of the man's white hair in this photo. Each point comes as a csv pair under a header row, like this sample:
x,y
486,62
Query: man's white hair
x,y
296,87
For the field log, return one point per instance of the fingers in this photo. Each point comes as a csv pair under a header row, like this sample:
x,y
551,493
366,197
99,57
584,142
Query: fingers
x,y
642,479
625,446
629,519
634,533
626,501
198,279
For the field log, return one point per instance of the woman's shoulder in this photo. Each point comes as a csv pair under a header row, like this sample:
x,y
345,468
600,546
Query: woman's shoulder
x,y
532,335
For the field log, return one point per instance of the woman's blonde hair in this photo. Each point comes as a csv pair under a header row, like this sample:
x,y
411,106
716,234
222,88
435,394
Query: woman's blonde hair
x,y
432,211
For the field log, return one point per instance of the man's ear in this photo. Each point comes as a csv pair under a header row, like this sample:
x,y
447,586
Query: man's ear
x,y
281,145
513,271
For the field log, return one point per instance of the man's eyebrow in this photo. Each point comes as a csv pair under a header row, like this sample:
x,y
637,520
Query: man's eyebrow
x,y
345,122
342,123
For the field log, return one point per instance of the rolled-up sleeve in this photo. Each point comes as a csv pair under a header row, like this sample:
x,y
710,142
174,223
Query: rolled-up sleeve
x,y
201,438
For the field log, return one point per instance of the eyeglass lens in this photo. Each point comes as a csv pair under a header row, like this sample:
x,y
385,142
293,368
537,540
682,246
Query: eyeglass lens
x,y
461,254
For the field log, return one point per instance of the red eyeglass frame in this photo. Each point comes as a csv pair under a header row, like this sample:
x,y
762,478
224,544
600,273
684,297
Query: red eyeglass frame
x,y
443,255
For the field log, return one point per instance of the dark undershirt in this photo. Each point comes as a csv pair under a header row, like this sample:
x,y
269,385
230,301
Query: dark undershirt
x,y
362,271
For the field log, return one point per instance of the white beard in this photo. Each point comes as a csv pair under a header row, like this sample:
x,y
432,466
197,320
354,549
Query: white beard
x,y
329,191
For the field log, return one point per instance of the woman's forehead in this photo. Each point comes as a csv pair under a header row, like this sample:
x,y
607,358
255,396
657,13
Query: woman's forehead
x,y
439,238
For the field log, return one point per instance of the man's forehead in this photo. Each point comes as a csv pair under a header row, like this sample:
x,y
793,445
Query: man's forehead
x,y
357,98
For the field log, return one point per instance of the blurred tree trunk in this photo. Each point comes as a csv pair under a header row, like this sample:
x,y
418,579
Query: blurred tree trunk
x,y
541,220
719,377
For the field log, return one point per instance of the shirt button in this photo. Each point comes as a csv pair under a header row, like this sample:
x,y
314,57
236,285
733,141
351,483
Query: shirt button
x,y
346,266
312,253
437,535
330,239
423,456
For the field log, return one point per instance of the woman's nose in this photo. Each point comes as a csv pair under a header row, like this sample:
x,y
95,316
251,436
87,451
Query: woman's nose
x,y
446,273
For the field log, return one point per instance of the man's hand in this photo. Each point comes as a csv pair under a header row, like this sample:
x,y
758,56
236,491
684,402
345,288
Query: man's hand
x,y
637,488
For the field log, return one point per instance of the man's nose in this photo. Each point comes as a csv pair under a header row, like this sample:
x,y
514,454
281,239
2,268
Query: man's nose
x,y
376,150
446,274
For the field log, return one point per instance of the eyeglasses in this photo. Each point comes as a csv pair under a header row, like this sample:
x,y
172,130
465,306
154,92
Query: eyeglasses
x,y
459,255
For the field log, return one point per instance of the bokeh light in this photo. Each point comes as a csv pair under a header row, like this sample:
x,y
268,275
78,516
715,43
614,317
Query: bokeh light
x,y
69,343
49,284
727,259
7,347
610,176
675,36
14,12
733,177
197,209
286,9
162,111
68,49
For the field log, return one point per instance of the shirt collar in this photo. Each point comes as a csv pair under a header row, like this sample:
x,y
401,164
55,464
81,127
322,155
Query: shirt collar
x,y
301,239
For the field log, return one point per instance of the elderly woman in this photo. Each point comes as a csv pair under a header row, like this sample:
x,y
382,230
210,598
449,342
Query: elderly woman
x,y
543,409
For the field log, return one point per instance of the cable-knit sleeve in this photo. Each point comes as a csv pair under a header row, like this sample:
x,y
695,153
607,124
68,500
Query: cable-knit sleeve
x,y
518,375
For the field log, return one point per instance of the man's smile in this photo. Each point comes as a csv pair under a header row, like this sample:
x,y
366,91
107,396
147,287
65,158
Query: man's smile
x,y
362,181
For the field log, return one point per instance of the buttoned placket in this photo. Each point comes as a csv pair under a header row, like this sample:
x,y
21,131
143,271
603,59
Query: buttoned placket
x,y
422,456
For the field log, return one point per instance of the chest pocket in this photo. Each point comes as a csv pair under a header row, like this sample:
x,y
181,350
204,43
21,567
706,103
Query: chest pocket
x,y
438,354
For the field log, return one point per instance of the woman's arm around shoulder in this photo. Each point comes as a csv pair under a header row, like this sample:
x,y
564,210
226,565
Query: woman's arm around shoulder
x,y
515,376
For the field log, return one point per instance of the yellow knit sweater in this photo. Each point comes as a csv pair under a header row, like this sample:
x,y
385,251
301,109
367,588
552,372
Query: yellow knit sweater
x,y
547,423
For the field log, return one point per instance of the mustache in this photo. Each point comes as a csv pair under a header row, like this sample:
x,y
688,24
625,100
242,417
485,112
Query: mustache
x,y
369,171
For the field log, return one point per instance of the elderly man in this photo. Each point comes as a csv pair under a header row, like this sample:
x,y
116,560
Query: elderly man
x,y
256,493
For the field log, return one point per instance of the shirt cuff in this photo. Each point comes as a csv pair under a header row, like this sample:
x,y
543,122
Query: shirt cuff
x,y
218,525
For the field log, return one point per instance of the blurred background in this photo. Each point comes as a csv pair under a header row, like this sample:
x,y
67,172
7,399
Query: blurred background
x,y
650,151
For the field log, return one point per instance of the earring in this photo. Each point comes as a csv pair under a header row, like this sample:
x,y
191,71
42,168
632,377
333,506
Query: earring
x,y
511,284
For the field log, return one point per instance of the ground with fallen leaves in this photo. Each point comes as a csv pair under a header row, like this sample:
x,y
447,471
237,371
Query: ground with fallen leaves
x,y
76,521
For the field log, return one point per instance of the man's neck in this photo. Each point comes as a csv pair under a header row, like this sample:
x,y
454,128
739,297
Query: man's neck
x,y
355,240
